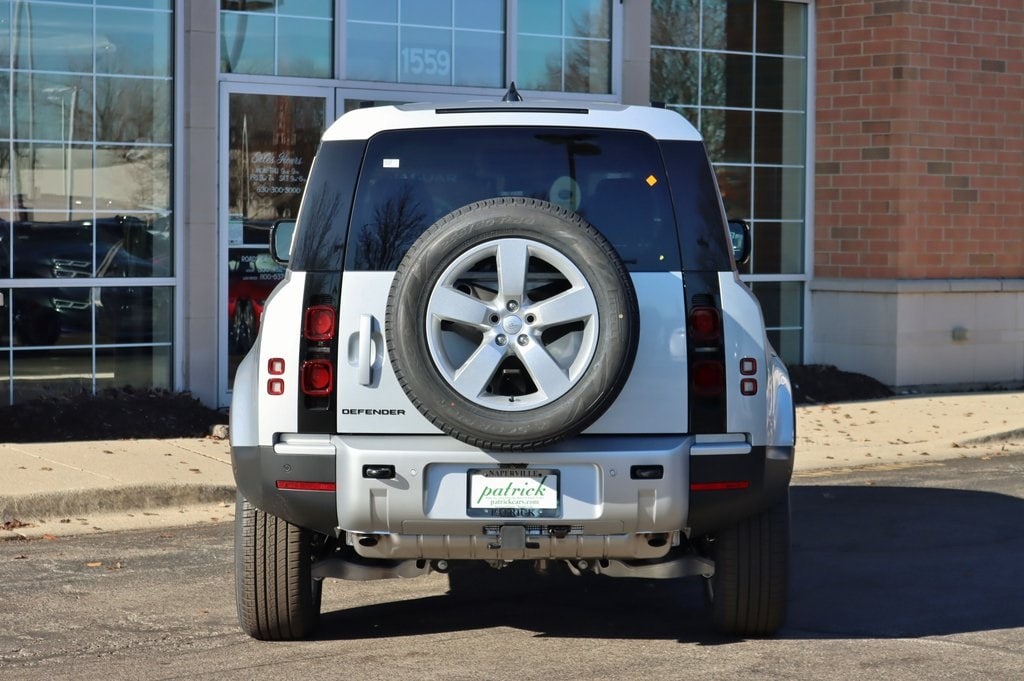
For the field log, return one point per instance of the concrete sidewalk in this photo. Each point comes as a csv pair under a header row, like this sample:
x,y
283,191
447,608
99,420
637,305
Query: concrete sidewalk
x,y
54,490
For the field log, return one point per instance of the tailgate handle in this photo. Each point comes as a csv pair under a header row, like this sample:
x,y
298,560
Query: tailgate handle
x,y
365,349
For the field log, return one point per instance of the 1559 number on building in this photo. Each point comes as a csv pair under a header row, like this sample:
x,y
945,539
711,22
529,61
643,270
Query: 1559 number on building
x,y
426,61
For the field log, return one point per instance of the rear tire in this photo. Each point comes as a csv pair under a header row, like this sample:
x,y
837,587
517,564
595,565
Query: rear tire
x,y
275,593
749,589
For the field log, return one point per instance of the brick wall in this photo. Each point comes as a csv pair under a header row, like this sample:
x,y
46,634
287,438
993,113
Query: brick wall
x,y
920,139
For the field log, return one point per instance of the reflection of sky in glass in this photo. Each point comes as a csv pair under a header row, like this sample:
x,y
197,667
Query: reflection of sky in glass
x,y
479,58
373,10
299,36
370,52
539,64
427,12
300,46
321,9
540,16
61,38
133,42
483,14
138,4
247,43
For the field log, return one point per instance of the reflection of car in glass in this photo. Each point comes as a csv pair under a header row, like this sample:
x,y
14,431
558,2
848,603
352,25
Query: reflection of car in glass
x,y
125,247
252,275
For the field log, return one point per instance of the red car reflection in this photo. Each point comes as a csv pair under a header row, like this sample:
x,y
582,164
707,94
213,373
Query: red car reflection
x,y
252,275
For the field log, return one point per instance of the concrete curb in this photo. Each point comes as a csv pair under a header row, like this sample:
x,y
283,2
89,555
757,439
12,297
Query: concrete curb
x,y
1003,436
51,505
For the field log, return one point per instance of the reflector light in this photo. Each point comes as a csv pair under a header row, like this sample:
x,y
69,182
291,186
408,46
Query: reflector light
x,y
748,386
304,486
708,378
718,486
275,366
748,366
705,324
317,377
319,324
275,386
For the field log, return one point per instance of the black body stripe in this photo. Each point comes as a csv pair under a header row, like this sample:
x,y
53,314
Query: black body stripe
x,y
707,413
319,414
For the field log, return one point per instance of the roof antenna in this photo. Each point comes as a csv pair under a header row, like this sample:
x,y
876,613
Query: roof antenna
x,y
513,94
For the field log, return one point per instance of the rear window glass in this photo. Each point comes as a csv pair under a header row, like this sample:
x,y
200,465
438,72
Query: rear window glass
x,y
614,179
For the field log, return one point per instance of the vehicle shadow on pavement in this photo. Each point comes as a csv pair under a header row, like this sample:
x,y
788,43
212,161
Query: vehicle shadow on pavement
x,y
558,607
904,562
867,562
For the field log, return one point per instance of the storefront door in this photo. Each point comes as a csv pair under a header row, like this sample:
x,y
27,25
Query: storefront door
x,y
268,139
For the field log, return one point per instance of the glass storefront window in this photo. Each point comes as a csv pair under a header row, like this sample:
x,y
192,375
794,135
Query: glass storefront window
x,y
737,69
84,339
86,167
564,45
277,37
782,304
431,42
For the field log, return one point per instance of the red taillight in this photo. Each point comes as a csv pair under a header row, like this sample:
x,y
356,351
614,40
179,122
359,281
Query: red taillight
x,y
320,323
275,366
707,378
317,377
705,323
275,386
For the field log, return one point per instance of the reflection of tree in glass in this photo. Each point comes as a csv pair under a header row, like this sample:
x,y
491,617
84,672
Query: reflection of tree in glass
x,y
316,246
675,76
587,62
682,77
132,110
397,220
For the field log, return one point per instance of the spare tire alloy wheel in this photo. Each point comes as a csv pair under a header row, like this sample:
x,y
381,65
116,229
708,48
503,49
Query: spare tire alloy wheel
x,y
512,324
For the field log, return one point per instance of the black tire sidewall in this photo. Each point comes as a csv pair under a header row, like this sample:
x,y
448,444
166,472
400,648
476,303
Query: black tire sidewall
x,y
445,242
751,582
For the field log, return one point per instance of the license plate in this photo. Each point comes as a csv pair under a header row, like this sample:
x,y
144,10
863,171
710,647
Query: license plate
x,y
513,493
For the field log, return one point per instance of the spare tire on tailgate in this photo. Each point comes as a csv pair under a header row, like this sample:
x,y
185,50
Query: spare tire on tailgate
x,y
512,324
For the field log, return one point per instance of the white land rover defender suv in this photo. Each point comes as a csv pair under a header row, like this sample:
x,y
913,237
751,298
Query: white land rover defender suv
x,y
511,331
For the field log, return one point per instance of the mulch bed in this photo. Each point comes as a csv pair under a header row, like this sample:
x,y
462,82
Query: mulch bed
x,y
121,414
823,383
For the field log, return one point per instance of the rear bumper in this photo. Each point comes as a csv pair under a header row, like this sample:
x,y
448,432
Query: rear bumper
x,y
611,506
258,469
606,509
726,489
